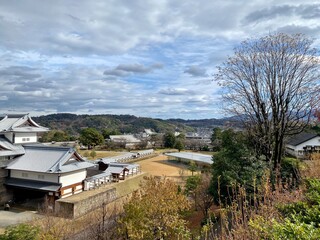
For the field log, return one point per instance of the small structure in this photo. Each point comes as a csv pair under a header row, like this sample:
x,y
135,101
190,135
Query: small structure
x,y
129,141
143,153
149,132
125,157
120,158
303,144
199,159
107,172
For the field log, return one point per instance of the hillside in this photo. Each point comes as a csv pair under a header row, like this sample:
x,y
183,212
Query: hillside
x,y
73,123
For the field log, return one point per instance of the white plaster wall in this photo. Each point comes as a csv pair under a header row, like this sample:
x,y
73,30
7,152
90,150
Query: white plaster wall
x,y
67,195
34,176
66,191
71,178
19,137
311,142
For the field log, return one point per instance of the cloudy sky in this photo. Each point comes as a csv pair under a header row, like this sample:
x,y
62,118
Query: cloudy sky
x,y
150,58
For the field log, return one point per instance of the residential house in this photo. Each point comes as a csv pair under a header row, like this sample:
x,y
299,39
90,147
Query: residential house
x,y
303,144
128,141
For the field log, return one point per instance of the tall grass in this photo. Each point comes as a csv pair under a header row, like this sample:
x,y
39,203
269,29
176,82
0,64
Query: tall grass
x,y
246,216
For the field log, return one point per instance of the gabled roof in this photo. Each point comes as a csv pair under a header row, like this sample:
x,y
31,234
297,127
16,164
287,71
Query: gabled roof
x,y
9,149
44,159
301,138
116,158
19,123
115,170
123,165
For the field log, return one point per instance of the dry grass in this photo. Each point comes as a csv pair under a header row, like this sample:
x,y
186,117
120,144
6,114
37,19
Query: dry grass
x,y
99,154
312,166
160,166
233,219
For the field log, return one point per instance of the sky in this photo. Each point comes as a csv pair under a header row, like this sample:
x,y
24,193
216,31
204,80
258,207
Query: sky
x,y
148,58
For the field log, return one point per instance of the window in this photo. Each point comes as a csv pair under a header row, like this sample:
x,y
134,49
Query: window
x,y
3,158
25,139
24,174
40,176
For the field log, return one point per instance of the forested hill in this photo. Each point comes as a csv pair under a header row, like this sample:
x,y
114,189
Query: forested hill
x,y
73,123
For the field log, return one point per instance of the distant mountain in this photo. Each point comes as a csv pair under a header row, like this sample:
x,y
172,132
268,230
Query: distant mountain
x,y
204,123
234,121
73,123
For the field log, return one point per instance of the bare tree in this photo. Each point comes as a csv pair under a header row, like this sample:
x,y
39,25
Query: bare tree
x,y
272,83
100,224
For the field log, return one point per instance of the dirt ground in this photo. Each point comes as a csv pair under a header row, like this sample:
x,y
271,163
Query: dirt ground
x,y
160,166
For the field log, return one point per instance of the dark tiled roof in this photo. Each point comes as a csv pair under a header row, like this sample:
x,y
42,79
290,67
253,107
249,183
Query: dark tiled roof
x,y
31,184
301,138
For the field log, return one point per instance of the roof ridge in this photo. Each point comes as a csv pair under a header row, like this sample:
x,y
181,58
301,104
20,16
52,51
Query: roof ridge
x,y
62,158
16,122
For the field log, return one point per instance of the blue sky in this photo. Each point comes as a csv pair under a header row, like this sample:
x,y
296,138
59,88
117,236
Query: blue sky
x,y
145,58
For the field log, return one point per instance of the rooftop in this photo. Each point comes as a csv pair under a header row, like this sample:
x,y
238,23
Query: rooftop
x,y
301,138
197,157
40,158
9,149
19,123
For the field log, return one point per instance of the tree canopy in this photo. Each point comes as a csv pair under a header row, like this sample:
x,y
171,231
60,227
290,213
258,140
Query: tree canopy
x,y
91,137
154,212
272,83
169,140
233,166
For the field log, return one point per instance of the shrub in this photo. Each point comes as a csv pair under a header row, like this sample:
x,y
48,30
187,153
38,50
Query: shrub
x,y
21,232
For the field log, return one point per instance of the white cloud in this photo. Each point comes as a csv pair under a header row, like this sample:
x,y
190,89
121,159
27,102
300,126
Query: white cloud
x,y
147,58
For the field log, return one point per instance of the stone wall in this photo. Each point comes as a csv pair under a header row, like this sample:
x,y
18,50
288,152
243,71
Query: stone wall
x,y
79,208
5,194
87,201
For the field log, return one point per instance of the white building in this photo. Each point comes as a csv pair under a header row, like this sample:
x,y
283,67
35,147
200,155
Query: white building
x,y
129,141
53,171
32,170
303,144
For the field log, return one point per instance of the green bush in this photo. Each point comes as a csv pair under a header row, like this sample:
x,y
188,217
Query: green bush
x,y
295,208
313,191
301,219
93,154
288,229
21,232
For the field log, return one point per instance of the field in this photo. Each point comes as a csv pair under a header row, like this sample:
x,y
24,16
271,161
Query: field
x,y
99,154
160,166
156,166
